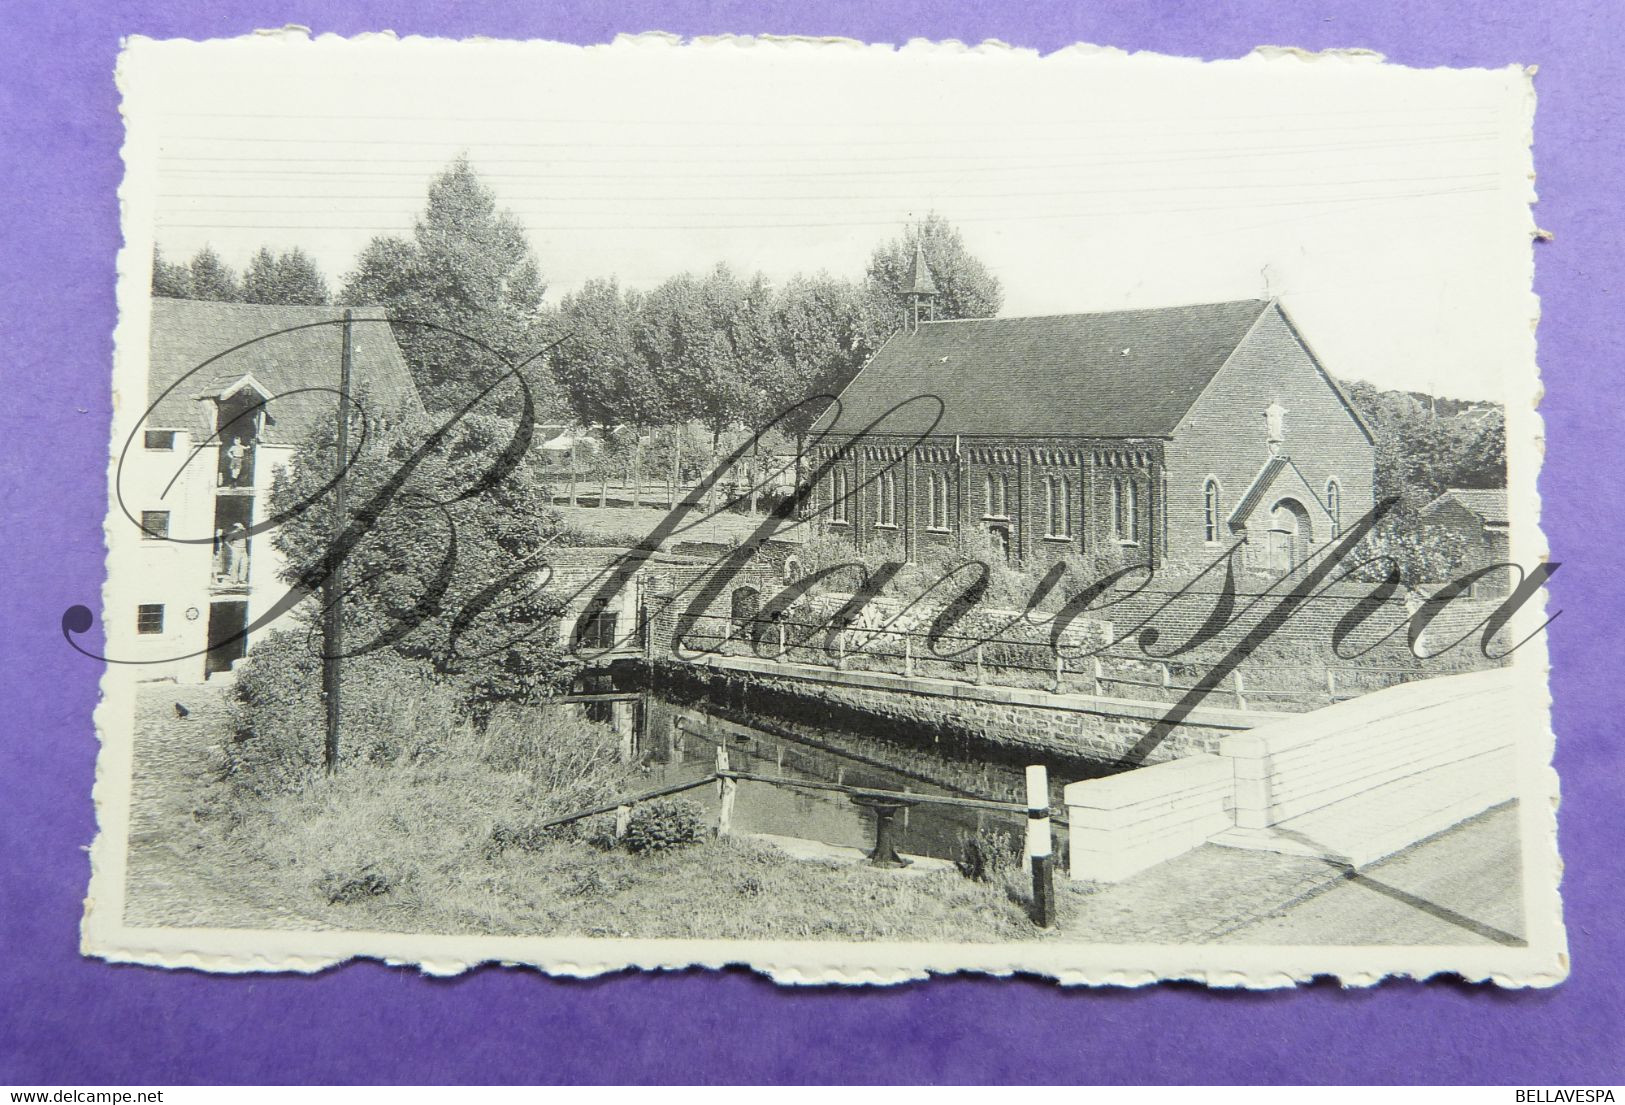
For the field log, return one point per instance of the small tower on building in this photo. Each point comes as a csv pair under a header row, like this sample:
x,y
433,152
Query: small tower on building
x,y
920,291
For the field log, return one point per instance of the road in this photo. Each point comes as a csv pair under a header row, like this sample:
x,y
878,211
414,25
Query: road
x,y
1460,887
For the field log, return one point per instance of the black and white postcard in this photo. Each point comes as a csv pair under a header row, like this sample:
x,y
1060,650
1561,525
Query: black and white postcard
x,y
855,512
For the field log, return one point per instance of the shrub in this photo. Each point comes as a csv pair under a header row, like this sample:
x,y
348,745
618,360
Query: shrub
x,y
987,855
658,826
394,710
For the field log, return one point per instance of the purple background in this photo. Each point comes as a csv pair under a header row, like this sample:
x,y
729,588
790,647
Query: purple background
x,y
64,1019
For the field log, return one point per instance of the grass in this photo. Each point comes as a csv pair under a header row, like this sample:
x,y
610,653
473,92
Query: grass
x,y
621,524
727,888
416,847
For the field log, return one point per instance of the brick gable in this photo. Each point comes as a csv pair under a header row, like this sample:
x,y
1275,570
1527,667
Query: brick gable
x,y
1224,436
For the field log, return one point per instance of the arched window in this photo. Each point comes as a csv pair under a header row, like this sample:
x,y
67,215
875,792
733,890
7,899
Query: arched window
x,y
1057,506
1125,515
1334,504
1210,510
996,493
886,500
838,511
937,502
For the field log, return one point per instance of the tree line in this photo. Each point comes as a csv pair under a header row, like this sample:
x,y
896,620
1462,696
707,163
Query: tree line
x,y
718,347
715,348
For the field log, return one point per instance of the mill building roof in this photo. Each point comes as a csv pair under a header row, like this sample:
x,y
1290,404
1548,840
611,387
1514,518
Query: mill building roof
x,y
203,351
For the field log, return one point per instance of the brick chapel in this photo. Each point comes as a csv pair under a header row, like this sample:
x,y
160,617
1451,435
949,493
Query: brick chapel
x,y
1150,435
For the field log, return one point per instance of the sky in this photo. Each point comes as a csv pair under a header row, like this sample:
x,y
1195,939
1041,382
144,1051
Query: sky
x,y
1387,208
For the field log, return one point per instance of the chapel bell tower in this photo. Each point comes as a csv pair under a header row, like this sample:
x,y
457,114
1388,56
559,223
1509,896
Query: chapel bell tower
x,y
920,291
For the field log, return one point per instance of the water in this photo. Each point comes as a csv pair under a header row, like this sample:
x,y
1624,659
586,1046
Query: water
x,y
677,741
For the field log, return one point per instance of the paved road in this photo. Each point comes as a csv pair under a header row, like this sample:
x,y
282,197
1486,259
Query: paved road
x,y
1460,887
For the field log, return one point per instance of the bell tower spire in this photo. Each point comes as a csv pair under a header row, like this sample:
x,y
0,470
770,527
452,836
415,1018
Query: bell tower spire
x,y
920,291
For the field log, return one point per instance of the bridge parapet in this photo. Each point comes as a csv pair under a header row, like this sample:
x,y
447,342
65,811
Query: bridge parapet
x,y
1350,783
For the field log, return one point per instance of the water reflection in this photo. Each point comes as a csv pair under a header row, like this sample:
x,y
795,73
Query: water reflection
x,y
675,742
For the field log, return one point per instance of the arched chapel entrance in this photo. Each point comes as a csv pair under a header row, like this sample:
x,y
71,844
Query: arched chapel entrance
x,y
1290,535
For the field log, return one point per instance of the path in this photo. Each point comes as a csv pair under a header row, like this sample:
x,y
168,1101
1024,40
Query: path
x,y
173,875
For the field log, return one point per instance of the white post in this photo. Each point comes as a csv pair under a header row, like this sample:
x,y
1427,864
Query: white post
x,y
1040,847
623,821
1241,691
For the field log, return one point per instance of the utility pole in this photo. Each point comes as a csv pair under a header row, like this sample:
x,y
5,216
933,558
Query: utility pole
x,y
333,586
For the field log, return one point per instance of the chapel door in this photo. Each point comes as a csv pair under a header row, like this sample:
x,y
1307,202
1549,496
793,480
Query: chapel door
x,y
1001,538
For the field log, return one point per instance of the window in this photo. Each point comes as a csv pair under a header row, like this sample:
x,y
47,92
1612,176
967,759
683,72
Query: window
x,y
149,618
1334,505
1210,511
160,439
1125,516
154,525
595,629
1057,506
936,501
886,500
996,490
838,511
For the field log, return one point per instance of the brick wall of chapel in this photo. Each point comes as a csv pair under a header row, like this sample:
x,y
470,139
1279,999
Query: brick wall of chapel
x,y
1089,472
1224,436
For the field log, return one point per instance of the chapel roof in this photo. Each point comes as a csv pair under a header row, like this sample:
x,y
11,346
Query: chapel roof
x,y
202,350
1109,374
1490,504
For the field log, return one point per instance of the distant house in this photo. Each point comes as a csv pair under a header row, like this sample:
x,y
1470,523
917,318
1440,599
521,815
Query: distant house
x,y
1148,435
233,389
1479,518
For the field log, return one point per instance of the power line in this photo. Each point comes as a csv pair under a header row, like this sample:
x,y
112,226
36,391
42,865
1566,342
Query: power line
x,y
822,158
238,169
778,122
802,141
668,199
1057,217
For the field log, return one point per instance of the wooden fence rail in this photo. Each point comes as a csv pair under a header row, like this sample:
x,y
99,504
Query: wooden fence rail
x,y
885,804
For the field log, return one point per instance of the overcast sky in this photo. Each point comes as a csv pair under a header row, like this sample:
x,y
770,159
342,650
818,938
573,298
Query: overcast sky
x,y
1384,206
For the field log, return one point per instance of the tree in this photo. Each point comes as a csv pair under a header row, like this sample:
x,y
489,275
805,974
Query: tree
x,y
499,645
1421,453
170,279
607,379
965,287
468,266
211,278
713,338
825,329
291,278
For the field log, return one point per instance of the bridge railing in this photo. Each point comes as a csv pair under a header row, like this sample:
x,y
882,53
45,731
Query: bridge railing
x,y
1111,672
